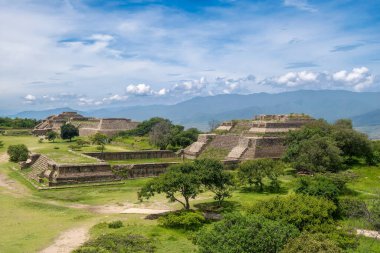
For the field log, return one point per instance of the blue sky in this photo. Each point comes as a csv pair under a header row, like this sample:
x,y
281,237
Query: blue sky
x,y
92,53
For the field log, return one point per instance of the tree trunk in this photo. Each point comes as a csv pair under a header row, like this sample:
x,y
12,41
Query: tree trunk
x,y
187,205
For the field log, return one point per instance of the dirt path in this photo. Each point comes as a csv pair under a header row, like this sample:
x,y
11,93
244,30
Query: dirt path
x,y
69,240
152,208
3,157
368,233
13,187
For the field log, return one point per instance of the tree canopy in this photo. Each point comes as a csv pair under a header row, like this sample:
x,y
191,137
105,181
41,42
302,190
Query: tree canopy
x,y
69,131
244,234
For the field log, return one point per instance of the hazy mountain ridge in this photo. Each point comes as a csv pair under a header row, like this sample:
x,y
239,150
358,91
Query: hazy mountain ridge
x,y
327,104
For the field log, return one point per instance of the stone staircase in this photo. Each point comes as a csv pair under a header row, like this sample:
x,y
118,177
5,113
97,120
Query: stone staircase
x,y
238,151
196,148
39,166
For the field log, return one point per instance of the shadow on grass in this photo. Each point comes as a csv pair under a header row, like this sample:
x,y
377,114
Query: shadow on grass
x,y
225,207
267,190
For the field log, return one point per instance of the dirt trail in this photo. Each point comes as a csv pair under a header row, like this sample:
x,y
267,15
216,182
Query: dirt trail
x,y
3,157
368,233
69,240
127,207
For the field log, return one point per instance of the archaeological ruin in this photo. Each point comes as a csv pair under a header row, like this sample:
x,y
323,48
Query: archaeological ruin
x,y
262,137
87,125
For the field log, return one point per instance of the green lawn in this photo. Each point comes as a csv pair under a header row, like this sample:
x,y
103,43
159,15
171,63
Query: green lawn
x,y
30,221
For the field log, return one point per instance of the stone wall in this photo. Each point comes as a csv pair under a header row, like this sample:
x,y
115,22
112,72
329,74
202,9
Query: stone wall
x,y
146,154
269,147
141,170
61,174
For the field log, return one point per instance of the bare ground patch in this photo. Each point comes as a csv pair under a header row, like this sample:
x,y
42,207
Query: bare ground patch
x,y
69,240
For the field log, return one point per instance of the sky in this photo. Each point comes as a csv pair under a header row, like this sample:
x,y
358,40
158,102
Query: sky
x,y
89,54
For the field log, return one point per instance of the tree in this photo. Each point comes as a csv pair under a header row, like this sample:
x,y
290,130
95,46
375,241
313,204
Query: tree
x,y
51,135
273,171
213,124
18,153
254,171
311,243
69,131
160,134
214,178
353,143
318,154
182,179
1,144
343,123
99,139
300,210
244,234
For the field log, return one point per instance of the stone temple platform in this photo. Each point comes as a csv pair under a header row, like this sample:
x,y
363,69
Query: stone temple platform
x,y
262,137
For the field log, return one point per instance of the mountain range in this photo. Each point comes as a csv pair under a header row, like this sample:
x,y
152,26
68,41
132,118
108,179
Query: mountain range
x,y
362,107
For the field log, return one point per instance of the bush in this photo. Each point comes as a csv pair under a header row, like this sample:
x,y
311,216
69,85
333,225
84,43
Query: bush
x,y
18,153
311,243
188,220
116,224
117,243
244,233
318,186
300,210
1,144
353,208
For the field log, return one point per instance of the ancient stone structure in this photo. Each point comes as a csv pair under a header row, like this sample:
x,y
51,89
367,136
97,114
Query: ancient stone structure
x,y
46,170
87,125
262,137
144,154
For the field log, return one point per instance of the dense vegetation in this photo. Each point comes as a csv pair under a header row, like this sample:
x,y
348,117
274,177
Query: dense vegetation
x,y
164,134
17,123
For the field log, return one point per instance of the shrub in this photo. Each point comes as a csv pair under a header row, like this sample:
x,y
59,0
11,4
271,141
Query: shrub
x,y
353,208
300,210
1,144
311,243
18,153
115,224
318,186
188,220
244,233
117,243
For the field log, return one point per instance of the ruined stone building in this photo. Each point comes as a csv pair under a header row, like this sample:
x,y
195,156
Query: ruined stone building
x,y
87,125
262,137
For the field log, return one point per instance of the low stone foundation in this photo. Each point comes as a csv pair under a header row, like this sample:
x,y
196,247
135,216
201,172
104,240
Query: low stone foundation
x,y
141,170
148,154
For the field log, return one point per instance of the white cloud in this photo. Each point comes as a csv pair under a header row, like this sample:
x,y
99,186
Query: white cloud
x,y
300,4
115,98
141,89
30,97
358,79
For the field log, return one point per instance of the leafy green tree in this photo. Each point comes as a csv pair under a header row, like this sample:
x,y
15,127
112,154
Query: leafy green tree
x,y
244,234
160,134
343,123
181,179
353,143
303,211
375,212
320,186
318,154
18,153
273,172
214,178
99,139
254,171
69,131
311,243
51,135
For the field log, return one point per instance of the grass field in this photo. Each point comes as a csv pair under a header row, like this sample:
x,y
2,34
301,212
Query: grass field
x,y
31,219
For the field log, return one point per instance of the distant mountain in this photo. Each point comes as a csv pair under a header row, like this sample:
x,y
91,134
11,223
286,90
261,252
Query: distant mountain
x,y
327,104
43,114
367,119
